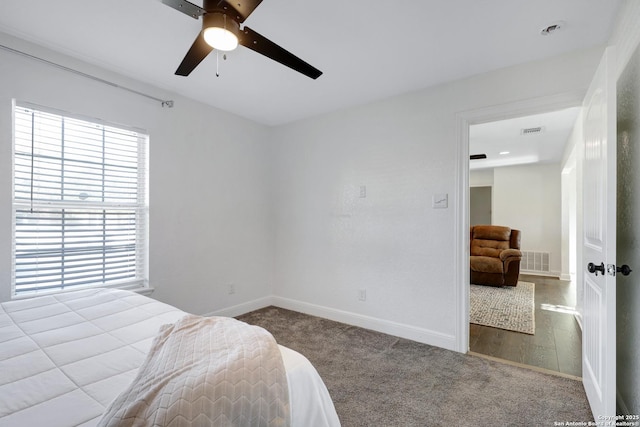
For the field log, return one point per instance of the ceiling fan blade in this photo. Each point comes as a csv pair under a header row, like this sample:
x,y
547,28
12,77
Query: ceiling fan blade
x,y
266,47
243,8
185,7
198,51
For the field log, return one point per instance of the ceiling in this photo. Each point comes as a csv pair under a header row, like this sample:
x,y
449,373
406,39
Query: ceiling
x,y
539,138
368,50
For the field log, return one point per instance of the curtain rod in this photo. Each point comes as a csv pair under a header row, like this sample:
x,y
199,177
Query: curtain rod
x,y
163,102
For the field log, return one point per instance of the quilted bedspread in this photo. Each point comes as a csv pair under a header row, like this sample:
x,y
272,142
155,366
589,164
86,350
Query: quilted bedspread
x,y
64,358
206,371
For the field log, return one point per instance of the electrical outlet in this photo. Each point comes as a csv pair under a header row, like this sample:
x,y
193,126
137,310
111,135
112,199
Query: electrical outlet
x,y
362,294
363,191
231,288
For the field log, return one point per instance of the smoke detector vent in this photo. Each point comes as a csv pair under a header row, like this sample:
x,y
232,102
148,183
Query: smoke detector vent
x,y
532,131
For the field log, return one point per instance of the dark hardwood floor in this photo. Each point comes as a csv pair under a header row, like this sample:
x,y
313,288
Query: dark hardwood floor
x,y
557,343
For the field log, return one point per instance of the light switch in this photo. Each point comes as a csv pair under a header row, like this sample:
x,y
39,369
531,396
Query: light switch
x,y
440,201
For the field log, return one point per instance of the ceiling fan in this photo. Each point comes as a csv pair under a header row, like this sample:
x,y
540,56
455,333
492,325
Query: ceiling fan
x,y
221,30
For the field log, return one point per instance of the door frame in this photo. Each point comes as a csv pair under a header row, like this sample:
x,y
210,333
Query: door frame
x,y
461,214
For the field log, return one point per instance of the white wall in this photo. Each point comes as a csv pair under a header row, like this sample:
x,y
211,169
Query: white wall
x,y
528,198
330,242
569,190
288,219
481,177
210,219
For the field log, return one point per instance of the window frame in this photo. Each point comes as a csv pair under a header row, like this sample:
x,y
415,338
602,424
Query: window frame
x,y
140,207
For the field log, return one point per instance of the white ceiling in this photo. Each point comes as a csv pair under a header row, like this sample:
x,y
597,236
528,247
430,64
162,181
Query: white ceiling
x,y
367,49
505,143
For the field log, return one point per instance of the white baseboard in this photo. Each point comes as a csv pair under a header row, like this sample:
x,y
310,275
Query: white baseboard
x,y
555,274
243,308
401,330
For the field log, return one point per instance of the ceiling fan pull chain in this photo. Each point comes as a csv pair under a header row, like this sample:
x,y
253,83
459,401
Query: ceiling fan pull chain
x,y
217,64
224,55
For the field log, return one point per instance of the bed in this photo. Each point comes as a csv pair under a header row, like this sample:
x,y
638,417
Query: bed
x,y
66,359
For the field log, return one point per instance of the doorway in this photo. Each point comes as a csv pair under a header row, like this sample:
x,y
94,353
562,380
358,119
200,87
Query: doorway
x,y
526,189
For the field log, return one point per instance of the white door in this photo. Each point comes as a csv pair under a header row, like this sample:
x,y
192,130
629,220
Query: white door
x,y
599,244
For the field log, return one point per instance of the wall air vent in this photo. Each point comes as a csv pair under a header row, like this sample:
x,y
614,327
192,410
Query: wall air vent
x,y
535,262
532,131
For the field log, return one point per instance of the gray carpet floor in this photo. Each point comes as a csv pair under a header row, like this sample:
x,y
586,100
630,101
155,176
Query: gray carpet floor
x,y
381,380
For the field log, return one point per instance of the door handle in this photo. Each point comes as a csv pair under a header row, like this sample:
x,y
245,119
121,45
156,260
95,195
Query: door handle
x,y
592,268
624,269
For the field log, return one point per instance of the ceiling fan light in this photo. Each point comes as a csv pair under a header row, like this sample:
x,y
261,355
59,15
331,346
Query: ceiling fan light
x,y
220,38
220,31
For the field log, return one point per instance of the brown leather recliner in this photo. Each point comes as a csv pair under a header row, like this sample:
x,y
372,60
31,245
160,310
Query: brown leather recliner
x,y
495,255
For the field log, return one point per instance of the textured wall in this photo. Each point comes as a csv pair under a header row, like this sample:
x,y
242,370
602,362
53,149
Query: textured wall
x,y
331,243
209,186
528,198
628,236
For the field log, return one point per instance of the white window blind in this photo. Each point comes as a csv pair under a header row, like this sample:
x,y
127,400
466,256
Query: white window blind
x,y
80,203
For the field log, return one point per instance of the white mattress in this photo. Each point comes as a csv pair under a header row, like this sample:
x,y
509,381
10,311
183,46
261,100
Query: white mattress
x,y
65,357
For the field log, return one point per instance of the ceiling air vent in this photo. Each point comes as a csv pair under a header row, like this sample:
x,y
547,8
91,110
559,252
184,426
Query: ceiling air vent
x,y
553,28
532,131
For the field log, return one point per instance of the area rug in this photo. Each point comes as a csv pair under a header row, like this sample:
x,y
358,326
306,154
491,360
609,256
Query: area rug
x,y
507,307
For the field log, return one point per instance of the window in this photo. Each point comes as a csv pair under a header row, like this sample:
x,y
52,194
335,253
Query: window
x,y
79,203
